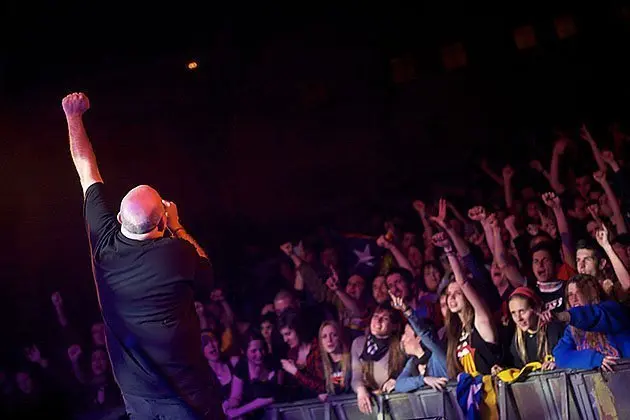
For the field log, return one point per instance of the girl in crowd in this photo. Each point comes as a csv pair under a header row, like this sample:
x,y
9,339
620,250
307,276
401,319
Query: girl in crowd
x,y
427,362
472,342
335,358
598,333
534,339
254,384
303,360
222,369
351,303
377,357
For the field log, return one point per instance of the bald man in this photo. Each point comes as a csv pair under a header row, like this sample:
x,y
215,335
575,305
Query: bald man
x,y
146,283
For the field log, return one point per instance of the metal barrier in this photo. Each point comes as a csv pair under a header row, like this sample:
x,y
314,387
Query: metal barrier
x,y
559,394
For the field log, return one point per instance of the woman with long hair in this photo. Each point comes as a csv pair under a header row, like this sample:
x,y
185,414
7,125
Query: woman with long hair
x,y
221,367
599,330
336,359
377,357
472,342
534,339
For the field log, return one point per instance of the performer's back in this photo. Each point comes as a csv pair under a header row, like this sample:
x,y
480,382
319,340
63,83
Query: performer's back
x,y
146,291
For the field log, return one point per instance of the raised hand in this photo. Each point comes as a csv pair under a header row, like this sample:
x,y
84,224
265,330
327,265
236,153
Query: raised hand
x,y
508,172
586,135
75,104
172,215
74,352
602,236
551,200
420,207
397,302
492,221
510,222
333,281
440,219
287,248
536,165
441,240
478,214
33,354
56,299
600,177
608,157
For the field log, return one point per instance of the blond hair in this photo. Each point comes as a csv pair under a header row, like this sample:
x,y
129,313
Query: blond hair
x,y
346,359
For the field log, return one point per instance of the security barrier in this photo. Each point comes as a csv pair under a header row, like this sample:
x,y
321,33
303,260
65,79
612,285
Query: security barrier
x,y
559,394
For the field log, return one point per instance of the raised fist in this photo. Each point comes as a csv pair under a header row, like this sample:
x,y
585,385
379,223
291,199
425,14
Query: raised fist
x,y
172,215
608,156
56,300
600,177
287,248
551,200
601,235
419,206
74,352
478,214
441,240
508,172
536,165
33,354
75,104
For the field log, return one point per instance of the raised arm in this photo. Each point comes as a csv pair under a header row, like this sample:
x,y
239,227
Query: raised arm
x,y
586,136
400,258
620,269
488,171
568,250
176,228
483,318
511,272
617,217
74,105
508,174
429,249
558,150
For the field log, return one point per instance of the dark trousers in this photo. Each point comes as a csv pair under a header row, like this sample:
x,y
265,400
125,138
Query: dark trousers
x,y
140,408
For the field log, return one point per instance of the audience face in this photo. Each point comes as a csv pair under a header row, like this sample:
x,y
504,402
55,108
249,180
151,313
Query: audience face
x,y
409,240
524,316
410,341
330,339
443,306
329,257
497,275
575,296
580,211
455,298
290,337
24,382
381,324
355,287
415,257
100,362
532,210
255,352
431,278
379,290
397,285
266,329
587,262
211,350
543,266
98,334
583,185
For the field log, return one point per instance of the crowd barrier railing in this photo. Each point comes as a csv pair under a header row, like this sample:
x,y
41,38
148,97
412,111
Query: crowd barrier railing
x,y
558,394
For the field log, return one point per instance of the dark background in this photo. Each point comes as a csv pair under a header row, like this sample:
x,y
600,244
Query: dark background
x,y
291,120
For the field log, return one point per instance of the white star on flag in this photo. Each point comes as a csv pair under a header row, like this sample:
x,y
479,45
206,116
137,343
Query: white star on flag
x,y
365,257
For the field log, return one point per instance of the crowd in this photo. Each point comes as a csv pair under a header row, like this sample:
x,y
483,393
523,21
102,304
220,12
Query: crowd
x,y
536,280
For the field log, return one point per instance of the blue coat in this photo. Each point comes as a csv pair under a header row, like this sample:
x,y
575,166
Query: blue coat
x,y
608,317
409,379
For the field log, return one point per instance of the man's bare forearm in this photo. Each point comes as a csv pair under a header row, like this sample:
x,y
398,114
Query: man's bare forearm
x,y
181,233
82,153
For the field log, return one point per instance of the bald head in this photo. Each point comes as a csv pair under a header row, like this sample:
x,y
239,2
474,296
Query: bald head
x,y
141,210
